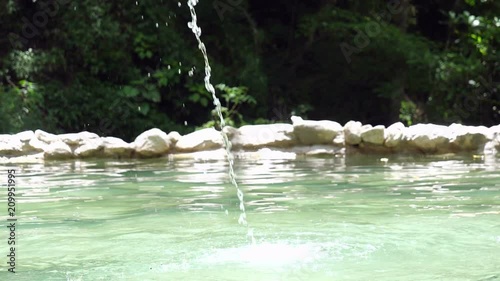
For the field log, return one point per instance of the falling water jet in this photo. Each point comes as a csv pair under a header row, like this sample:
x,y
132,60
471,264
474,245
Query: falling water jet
x,y
193,25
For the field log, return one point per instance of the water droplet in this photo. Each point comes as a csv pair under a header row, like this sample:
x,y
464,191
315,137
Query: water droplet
x,y
156,25
136,3
180,71
179,4
168,66
149,74
185,123
166,23
180,63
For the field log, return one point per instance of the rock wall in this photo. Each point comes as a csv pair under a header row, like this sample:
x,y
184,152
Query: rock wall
x,y
302,137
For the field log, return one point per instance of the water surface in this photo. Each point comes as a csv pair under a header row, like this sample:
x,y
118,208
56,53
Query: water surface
x,y
314,218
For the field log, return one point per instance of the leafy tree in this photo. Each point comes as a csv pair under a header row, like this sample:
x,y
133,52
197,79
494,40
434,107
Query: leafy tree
x,y
119,68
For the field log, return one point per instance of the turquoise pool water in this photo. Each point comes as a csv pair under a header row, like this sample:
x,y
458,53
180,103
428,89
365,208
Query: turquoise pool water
x,y
314,219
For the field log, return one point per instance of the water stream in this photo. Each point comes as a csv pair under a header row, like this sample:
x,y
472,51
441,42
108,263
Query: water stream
x,y
321,219
193,25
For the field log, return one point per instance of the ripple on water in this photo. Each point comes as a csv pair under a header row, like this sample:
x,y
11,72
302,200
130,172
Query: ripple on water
x,y
315,220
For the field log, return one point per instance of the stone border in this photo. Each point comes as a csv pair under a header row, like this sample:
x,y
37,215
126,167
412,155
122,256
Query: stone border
x,y
278,141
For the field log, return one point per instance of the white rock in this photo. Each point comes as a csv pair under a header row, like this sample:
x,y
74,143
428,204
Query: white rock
x,y
153,142
469,137
230,131
258,136
117,147
46,137
490,148
352,132
394,134
58,150
428,137
495,130
90,148
495,137
339,140
35,145
174,137
10,145
76,139
5,138
24,143
204,139
311,132
25,136
373,135
296,119
30,143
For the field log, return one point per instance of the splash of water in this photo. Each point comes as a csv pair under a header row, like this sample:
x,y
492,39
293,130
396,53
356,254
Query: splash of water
x,y
193,25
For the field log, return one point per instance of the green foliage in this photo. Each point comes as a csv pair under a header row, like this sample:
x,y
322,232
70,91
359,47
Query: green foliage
x,y
11,112
302,110
408,112
465,88
119,68
199,94
234,97
19,106
232,100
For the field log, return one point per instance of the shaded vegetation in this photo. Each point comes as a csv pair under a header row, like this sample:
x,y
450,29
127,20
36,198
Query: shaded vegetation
x,y
121,68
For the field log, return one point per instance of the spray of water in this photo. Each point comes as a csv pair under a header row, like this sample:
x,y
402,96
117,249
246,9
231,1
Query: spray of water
x,y
193,25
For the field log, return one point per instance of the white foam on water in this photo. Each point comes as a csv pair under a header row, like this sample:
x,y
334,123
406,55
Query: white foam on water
x,y
265,254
